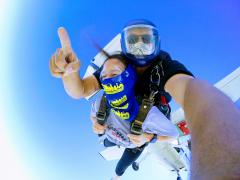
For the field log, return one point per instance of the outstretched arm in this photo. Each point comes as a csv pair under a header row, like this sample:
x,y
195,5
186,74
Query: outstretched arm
x,y
65,64
79,88
215,128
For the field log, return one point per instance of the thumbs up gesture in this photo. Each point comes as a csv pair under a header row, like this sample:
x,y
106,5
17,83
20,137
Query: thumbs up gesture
x,y
64,61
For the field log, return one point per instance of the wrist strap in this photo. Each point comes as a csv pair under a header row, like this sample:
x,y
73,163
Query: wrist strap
x,y
154,138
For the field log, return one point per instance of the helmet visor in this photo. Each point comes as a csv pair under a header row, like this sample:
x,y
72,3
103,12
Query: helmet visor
x,y
140,40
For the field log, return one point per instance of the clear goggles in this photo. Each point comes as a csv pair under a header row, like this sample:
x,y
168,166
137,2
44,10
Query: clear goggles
x,y
142,37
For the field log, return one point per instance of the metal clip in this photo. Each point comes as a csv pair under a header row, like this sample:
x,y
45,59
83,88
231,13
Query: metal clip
x,y
155,79
152,94
155,76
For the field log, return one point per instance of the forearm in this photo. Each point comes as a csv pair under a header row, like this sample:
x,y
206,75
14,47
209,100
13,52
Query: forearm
x,y
215,130
159,138
164,138
80,88
73,85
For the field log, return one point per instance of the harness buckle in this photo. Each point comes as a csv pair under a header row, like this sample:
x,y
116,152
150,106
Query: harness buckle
x,y
136,127
101,117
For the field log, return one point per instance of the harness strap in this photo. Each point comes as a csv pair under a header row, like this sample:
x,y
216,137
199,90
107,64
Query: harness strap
x,y
155,80
102,112
136,127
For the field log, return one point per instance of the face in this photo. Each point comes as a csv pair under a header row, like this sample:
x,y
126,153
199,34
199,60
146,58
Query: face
x,y
111,68
140,41
144,35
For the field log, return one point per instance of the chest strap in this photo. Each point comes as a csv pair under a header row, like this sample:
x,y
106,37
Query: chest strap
x,y
155,80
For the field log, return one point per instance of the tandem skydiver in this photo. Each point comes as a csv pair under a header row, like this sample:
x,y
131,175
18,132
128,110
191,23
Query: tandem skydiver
x,y
209,113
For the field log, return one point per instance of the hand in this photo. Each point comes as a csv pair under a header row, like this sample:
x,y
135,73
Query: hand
x,y
139,140
98,128
64,61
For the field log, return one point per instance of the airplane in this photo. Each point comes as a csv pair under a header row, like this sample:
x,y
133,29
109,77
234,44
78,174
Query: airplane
x,y
174,156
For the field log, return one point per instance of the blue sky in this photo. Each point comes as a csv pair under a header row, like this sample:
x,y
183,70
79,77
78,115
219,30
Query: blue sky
x,y
51,133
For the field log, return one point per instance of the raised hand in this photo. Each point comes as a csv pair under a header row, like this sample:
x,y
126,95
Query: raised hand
x,y
64,61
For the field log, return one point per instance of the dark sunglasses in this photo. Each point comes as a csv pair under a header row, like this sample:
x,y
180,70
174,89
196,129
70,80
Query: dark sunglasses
x,y
146,38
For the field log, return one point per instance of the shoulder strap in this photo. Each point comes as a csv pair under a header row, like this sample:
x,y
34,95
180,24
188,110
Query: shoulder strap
x,y
136,127
155,80
103,111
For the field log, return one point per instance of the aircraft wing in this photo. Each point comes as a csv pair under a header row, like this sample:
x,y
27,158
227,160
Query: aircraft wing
x,y
230,85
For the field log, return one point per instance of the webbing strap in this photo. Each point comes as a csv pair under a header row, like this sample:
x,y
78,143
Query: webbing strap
x,y
102,112
136,127
155,80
